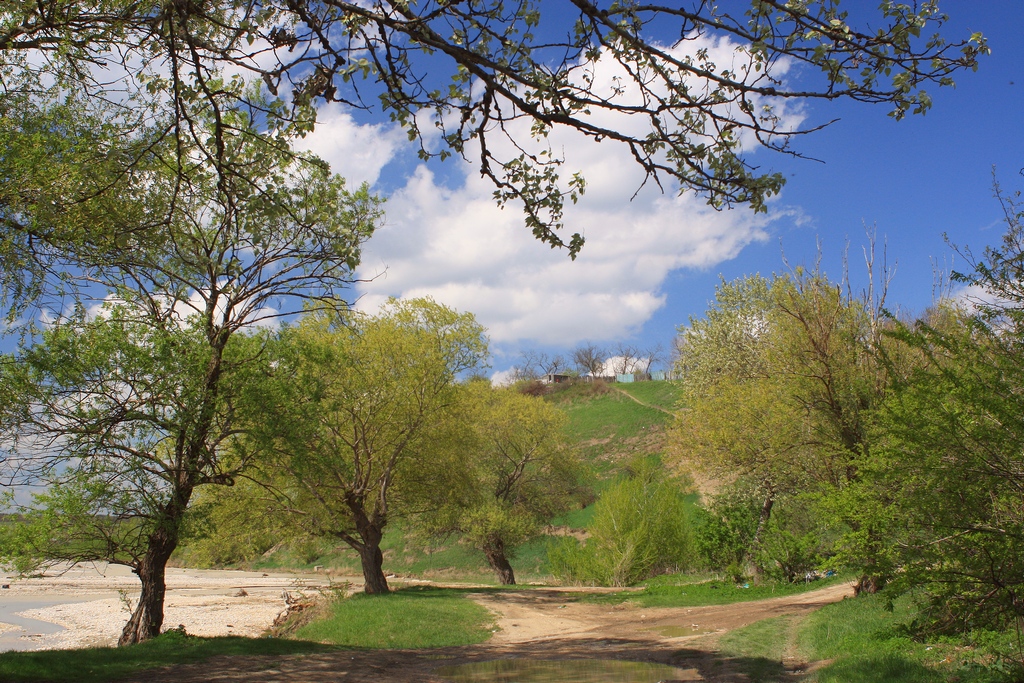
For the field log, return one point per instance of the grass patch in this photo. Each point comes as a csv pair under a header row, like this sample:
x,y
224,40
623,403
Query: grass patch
x,y
576,519
676,591
867,639
664,395
103,664
767,639
759,648
605,415
410,618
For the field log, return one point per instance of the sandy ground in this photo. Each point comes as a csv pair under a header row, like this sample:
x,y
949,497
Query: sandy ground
x,y
92,603
538,624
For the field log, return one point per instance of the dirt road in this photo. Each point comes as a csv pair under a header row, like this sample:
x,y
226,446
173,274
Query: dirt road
x,y
540,624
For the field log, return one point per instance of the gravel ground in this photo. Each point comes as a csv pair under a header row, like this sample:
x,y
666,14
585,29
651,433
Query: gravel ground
x,y
206,602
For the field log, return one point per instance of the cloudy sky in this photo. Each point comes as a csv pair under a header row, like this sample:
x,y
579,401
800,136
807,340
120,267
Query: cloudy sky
x,y
652,261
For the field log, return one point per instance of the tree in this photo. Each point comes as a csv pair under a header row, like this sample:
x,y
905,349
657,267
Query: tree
x,y
359,418
949,469
520,474
779,381
126,412
534,364
495,79
589,360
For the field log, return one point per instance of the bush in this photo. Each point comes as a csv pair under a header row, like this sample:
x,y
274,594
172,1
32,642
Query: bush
x,y
641,527
791,545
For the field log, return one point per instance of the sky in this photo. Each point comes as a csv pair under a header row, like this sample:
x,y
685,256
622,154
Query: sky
x,y
651,262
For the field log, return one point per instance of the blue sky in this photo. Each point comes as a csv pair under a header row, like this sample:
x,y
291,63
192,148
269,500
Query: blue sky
x,y
652,263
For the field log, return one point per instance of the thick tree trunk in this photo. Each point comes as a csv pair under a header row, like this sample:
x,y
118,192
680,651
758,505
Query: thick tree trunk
x,y
148,616
499,563
372,560
868,583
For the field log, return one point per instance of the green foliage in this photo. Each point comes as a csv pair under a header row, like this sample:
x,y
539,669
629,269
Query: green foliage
x,y
641,527
360,419
780,379
230,526
792,543
518,473
132,399
951,458
411,618
471,72
724,530
870,640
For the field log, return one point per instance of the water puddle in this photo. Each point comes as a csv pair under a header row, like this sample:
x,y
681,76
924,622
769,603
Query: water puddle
x,y
28,632
681,631
561,671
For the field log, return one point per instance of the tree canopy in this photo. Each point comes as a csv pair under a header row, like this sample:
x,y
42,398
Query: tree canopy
x,y
684,87
357,414
518,473
129,399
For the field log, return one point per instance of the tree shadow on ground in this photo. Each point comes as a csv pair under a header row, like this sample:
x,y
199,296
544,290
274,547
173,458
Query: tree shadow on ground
x,y
419,666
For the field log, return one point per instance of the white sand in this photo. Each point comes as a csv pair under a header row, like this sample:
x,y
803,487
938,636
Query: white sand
x,y
206,602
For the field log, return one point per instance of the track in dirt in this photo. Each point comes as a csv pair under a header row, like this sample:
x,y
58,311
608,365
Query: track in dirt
x,y
537,624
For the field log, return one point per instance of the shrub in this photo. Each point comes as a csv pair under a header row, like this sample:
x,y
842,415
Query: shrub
x,y
641,527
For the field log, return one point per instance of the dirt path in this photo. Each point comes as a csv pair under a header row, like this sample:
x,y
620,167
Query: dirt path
x,y
645,405
538,624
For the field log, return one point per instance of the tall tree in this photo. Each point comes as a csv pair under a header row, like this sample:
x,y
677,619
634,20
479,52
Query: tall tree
x,y
360,415
649,77
519,473
780,378
133,407
589,360
949,468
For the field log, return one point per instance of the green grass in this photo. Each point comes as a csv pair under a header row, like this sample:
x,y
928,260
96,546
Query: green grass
x,y
100,665
677,591
660,394
607,414
758,649
411,618
576,519
768,639
867,639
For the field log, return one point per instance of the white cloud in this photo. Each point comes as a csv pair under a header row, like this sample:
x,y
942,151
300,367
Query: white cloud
x,y
356,151
456,245
502,378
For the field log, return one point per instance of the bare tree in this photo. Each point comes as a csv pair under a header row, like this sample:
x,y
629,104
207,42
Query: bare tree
x,y
625,359
589,359
647,358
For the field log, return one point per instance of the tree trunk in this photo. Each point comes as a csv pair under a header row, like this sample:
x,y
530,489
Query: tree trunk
x,y
499,563
148,616
762,520
868,583
372,560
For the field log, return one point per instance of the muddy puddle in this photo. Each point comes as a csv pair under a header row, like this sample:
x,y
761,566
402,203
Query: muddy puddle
x,y
562,671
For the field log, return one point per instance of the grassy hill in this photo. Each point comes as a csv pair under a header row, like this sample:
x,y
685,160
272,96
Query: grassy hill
x,y
612,423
